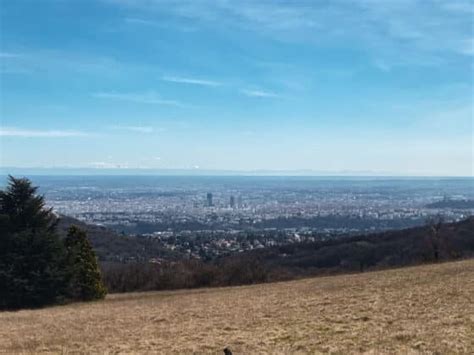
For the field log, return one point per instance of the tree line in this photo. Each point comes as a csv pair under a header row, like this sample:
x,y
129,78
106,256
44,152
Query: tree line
x,y
437,241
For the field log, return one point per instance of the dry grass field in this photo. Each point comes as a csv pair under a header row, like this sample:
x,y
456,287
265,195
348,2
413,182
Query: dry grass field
x,y
427,309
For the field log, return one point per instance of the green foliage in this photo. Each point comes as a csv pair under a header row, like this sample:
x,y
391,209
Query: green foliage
x,y
86,282
22,209
32,258
36,267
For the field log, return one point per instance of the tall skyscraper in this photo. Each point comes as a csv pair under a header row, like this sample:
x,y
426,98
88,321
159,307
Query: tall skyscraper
x,y
232,202
209,199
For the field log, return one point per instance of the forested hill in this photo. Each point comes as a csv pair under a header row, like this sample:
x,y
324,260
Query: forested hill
x,y
411,246
427,244
111,246
386,249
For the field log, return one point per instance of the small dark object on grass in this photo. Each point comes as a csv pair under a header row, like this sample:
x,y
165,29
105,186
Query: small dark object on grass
x,y
227,351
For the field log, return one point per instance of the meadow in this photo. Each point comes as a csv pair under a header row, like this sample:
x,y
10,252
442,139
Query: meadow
x,y
423,309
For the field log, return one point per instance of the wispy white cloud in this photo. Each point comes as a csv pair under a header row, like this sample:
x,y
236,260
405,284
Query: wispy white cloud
x,y
467,46
144,98
417,30
139,163
13,63
159,24
462,6
259,93
61,61
140,21
106,165
6,55
30,133
192,81
137,129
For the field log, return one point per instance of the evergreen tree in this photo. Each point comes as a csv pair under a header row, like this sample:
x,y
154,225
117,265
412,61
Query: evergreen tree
x,y
86,282
32,258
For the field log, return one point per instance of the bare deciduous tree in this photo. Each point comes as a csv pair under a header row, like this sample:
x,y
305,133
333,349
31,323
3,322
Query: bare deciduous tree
x,y
435,237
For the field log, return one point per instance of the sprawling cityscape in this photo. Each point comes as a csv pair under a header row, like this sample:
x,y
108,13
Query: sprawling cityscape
x,y
210,216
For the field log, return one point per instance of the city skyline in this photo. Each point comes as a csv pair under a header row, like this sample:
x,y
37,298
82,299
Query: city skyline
x,y
344,87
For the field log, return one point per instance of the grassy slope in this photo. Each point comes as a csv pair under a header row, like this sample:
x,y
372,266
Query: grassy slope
x,y
418,309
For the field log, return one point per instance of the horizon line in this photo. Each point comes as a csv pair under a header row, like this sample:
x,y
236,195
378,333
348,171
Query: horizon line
x,y
97,171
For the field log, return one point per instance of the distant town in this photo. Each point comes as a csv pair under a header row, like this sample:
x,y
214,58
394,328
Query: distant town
x,y
206,217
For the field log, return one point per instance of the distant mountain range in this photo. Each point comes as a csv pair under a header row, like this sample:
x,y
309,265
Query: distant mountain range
x,y
197,172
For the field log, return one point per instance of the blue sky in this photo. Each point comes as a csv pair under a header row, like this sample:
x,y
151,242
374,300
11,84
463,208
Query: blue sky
x,y
330,86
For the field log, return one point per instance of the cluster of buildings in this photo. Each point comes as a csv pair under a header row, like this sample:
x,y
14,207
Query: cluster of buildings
x,y
231,219
213,244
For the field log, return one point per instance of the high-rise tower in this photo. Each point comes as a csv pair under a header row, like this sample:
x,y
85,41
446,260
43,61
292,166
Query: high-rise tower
x,y
209,199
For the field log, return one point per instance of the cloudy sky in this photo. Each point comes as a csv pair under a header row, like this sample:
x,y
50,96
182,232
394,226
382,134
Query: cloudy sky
x,y
329,85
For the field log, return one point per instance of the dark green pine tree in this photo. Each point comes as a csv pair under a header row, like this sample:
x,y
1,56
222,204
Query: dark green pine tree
x,y
86,281
32,257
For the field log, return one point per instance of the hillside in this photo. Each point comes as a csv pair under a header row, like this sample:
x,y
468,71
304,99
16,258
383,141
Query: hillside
x,y
395,248
426,309
111,246
125,266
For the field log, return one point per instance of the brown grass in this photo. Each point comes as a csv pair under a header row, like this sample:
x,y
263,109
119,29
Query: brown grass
x,y
427,309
